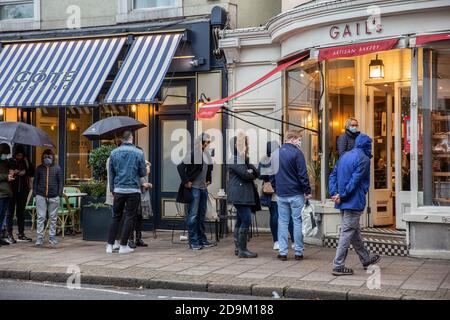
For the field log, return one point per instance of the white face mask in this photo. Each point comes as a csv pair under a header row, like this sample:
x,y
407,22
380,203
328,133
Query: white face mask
x,y
299,144
4,157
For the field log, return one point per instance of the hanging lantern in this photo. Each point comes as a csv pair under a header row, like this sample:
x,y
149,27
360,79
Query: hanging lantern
x,y
376,69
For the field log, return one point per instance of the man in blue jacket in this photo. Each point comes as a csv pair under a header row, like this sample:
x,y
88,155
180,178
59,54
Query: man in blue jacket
x,y
126,168
349,184
292,185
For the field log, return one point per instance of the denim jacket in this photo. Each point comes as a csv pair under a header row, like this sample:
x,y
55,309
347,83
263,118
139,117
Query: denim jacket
x,y
126,168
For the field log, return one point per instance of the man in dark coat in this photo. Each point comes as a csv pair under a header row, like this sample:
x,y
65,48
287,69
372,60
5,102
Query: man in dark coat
x,y
196,174
346,141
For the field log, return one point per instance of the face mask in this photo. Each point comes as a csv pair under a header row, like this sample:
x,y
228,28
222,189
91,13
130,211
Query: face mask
x,y
4,156
299,144
48,161
353,129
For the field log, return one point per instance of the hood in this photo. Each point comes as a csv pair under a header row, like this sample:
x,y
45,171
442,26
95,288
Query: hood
x,y
271,147
364,142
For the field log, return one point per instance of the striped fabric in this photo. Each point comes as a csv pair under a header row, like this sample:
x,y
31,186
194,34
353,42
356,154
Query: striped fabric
x,y
59,73
144,69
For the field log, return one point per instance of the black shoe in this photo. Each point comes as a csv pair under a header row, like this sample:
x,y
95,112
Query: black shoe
x,y
3,242
195,247
23,238
141,243
375,259
209,244
298,257
282,258
342,271
11,239
242,241
131,244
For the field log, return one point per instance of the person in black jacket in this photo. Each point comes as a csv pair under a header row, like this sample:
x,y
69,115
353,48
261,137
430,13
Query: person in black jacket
x,y
196,174
346,141
242,192
48,187
23,171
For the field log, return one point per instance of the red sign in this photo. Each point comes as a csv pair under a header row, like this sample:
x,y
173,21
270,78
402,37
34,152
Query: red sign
x,y
356,49
420,40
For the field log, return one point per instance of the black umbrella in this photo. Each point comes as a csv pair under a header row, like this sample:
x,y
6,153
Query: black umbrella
x,y
110,128
22,133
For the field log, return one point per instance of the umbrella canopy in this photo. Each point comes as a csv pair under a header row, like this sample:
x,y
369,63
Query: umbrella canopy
x,y
110,128
22,133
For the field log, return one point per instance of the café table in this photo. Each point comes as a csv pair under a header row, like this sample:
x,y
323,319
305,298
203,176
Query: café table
x,y
78,196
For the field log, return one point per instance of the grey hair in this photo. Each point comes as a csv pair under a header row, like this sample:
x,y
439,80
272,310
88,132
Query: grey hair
x,y
348,122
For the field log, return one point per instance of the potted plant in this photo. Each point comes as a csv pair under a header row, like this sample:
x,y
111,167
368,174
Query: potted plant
x,y
95,214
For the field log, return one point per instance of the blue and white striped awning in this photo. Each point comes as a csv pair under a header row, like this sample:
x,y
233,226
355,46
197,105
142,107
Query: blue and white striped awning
x,y
56,73
144,69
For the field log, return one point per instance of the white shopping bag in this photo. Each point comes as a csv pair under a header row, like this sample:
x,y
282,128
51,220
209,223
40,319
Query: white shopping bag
x,y
211,210
309,224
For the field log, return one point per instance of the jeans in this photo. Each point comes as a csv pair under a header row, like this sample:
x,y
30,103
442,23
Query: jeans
x,y
244,216
290,207
196,217
17,205
3,207
44,205
124,204
350,234
273,210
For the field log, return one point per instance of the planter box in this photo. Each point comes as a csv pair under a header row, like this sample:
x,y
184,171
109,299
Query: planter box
x,y
95,223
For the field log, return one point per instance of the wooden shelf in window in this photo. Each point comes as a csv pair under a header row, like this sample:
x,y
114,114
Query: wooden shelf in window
x,y
441,174
447,200
436,117
441,136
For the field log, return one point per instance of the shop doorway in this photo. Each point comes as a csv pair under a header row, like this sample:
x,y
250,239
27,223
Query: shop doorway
x,y
387,118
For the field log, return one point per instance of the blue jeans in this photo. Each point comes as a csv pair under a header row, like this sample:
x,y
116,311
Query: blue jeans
x,y
4,203
290,207
196,217
273,210
244,216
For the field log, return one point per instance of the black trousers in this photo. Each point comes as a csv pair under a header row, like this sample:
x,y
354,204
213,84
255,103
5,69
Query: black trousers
x,y
17,204
124,204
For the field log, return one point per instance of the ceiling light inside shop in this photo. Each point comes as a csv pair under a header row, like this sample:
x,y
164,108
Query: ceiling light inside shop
x,y
133,108
2,112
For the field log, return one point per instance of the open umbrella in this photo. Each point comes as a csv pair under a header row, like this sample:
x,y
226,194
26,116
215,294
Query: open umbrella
x,y
22,133
110,128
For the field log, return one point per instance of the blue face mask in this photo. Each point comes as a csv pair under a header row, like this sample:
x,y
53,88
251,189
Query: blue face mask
x,y
353,129
48,161
4,157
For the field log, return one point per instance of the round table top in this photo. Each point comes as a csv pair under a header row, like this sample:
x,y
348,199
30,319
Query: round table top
x,y
75,194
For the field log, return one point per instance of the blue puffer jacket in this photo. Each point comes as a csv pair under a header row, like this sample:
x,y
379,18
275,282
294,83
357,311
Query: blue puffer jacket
x,y
351,175
126,167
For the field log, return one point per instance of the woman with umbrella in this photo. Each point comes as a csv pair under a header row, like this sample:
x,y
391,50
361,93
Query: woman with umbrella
x,y
6,177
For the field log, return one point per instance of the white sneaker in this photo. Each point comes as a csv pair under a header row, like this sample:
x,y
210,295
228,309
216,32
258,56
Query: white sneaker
x,y
109,248
125,249
116,245
276,246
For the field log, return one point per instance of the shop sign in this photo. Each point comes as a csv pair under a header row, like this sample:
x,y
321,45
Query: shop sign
x,y
356,49
26,80
350,30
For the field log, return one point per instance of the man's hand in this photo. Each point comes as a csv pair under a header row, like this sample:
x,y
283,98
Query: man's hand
x,y
188,185
250,170
208,183
147,185
308,196
336,199
10,178
22,173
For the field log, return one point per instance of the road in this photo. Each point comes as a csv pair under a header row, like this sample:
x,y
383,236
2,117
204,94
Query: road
x,y
27,290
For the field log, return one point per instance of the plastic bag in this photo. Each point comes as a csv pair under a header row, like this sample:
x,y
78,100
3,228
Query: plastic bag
x,y
309,224
211,210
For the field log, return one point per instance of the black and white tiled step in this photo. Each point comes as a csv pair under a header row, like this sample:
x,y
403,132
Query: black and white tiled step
x,y
387,245
384,231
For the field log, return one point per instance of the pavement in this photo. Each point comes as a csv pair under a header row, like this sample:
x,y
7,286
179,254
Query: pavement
x,y
166,266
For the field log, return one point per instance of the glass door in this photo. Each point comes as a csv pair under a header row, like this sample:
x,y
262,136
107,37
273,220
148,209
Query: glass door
x,y
381,194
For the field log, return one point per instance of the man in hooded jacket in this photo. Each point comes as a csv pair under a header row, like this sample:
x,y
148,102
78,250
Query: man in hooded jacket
x,y
348,186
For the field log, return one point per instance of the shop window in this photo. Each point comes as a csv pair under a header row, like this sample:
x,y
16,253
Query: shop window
x,y
77,146
19,10
434,127
47,120
115,111
405,109
303,98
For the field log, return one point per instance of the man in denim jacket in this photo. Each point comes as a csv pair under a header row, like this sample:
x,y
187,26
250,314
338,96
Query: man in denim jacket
x,y
126,168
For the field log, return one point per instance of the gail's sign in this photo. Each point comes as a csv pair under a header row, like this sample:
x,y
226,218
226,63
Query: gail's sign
x,y
352,30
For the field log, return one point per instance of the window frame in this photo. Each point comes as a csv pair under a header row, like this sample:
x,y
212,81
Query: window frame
x,y
127,12
22,24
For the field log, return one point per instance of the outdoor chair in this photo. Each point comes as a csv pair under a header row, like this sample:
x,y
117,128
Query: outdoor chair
x,y
75,206
31,208
181,214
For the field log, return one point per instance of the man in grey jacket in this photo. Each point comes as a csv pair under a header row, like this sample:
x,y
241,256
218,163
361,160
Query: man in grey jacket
x,y
126,168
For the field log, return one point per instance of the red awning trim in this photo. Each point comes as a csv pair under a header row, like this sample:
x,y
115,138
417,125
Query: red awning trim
x,y
210,109
424,39
356,49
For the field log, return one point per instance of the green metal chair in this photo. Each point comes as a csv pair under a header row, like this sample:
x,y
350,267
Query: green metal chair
x,y
75,206
31,207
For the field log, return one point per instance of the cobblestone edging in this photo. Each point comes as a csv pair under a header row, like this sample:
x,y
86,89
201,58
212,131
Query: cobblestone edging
x,y
306,290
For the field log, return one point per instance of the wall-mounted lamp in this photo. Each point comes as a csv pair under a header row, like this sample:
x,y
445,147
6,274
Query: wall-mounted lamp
x,y
202,100
72,126
133,108
376,68
197,62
